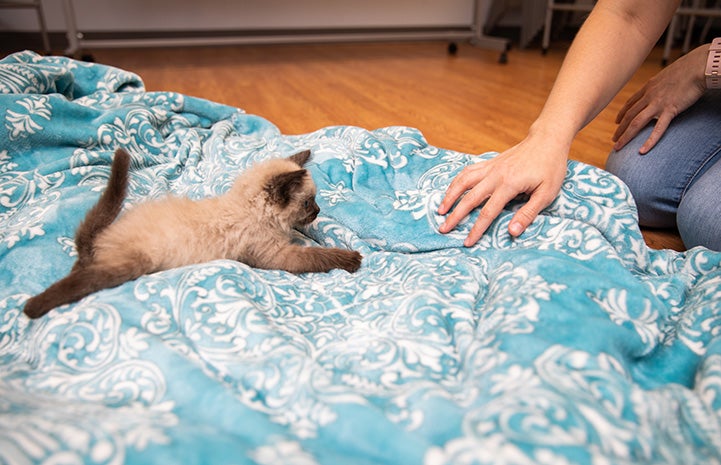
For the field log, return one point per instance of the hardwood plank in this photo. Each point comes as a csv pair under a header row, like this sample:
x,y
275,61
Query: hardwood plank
x,y
466,102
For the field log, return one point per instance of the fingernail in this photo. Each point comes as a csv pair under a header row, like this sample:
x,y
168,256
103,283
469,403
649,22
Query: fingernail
x,y
515,229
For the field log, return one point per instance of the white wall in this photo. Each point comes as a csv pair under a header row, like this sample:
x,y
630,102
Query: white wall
x,y
206,15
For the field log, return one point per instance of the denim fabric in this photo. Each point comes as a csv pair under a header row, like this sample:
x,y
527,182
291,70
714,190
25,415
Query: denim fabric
x,y
678,183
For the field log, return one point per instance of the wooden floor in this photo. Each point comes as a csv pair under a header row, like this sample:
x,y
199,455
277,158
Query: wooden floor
x,y
467,102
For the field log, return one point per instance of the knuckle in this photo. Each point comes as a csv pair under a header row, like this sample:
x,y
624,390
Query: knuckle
x,y
526,216
475,197
466,177
486,215
635,124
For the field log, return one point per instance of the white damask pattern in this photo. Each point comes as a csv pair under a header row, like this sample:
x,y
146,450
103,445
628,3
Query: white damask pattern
x,y
572,344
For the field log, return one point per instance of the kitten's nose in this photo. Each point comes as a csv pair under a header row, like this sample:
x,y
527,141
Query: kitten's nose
x,y
313,214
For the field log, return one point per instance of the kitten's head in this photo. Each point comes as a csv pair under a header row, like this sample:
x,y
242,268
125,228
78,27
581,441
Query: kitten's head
x,y
291,190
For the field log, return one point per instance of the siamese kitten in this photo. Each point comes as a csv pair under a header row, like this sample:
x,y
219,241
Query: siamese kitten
x,y
251,223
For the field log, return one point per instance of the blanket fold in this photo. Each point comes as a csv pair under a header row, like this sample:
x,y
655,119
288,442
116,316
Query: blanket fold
x,y
574,343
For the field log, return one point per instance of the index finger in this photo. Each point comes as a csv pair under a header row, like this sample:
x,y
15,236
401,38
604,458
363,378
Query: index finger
x,y
629,103
659,129
488,213
469,177
473,198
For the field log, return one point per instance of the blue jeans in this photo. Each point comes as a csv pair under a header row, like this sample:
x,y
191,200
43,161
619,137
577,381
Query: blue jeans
x,y
678,182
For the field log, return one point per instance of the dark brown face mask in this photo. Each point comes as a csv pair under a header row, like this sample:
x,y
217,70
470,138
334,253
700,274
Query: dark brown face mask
x,y
312,209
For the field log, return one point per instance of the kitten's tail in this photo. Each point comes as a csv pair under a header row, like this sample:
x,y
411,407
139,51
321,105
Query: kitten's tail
x,y
79,283
105,210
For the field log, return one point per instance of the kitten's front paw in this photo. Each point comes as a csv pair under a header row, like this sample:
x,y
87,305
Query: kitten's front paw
x,y
352,261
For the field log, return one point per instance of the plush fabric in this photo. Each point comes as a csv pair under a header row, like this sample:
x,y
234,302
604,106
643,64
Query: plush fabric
x,y
573,344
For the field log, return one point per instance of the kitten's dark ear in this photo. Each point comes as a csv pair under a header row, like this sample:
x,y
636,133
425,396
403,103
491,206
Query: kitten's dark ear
x,y
280,188
300,158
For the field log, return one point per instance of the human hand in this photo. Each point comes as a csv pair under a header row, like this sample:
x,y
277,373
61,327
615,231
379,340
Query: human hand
x,y
664,96
533,168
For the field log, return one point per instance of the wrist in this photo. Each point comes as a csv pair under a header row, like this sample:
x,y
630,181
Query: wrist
x,y
551,134
712,72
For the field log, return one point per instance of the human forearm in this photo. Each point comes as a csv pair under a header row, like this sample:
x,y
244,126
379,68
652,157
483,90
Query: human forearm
x,y
611,45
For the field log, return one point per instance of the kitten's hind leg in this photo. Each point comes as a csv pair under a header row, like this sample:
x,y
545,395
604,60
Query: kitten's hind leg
x,y
80,283
300,259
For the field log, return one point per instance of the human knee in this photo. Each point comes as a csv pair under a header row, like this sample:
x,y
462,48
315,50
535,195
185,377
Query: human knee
x,y
699,218
647,184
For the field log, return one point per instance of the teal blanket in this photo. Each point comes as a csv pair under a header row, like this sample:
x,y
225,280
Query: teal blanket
x,y
572,344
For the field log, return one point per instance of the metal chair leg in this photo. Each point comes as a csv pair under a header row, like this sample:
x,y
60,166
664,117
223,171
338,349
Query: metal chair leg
x,y
43,26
